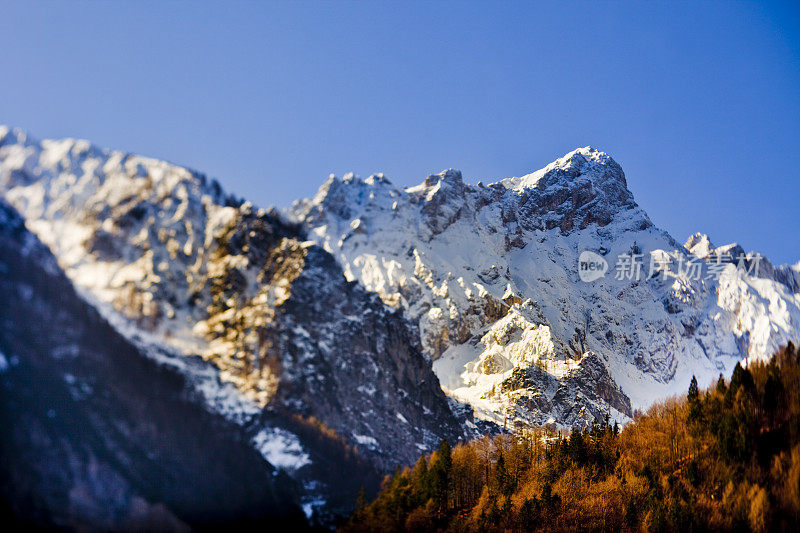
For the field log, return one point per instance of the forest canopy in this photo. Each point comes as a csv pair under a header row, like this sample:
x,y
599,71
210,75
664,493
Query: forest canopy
x,y
727,458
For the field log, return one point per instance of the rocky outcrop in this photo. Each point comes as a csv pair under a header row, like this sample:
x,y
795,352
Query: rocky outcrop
x,y
519,373
582,188
96,434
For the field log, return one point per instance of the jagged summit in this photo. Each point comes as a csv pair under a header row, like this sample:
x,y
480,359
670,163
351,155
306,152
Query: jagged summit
x,y
481,279
9,135
700,245
445,179
585,186
458,258
181,268
572,165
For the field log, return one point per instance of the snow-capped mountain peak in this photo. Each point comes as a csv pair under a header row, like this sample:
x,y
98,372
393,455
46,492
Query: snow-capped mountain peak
x,y
173,261
482,279
460,259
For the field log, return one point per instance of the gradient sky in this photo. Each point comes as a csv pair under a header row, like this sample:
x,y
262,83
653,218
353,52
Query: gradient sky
x,y
699,103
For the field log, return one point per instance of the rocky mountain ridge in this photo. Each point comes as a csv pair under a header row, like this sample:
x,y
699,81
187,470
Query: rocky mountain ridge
x,y
341,323
489,274
261,321
97,434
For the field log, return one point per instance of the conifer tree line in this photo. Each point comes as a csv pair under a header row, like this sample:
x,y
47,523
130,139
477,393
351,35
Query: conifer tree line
x,y
722,459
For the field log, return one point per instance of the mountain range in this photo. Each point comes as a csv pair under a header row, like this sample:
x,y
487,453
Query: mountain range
x,y
153,323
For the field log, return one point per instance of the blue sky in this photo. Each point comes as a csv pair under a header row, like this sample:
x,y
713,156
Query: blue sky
x,y
699,103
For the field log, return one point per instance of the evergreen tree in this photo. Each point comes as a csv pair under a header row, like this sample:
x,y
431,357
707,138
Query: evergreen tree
x,y
721,387
439,472
421,482
773,389
695,408
694,393
501,478
741,379
528,514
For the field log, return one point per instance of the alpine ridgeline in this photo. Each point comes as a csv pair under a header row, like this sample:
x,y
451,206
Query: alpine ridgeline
x,y
489,275
342,324
261,322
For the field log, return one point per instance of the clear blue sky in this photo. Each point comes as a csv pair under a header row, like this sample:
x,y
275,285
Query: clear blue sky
x,y
700,104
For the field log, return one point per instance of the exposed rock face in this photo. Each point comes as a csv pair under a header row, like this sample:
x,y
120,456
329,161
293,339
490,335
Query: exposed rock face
x,y
518,373
459,260
337,310
585,187
354,364
175,263
96,434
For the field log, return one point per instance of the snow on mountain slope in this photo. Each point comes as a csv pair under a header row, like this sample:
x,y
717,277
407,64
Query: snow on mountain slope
x,y
489,274
97,434
483,278
177,265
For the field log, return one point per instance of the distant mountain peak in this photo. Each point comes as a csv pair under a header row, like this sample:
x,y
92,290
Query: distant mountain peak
x,y
448,253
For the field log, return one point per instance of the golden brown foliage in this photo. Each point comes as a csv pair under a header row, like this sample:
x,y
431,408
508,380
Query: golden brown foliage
x,y
724,459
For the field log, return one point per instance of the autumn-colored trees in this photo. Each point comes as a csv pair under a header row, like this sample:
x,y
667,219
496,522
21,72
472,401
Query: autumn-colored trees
x,y
727,458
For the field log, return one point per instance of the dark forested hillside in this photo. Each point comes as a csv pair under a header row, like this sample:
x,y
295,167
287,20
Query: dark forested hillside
x,y
95,436
727,458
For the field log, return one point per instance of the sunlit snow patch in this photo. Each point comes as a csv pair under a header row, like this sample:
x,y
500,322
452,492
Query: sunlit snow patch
x,y
366,440
281,448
